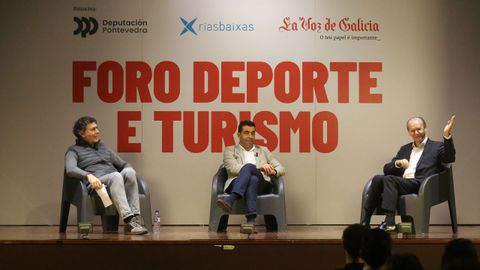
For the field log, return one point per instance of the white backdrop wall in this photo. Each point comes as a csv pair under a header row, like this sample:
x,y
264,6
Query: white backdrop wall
x,y
429,57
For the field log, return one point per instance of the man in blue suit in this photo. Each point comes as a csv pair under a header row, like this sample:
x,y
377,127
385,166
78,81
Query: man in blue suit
x,y
413,163
250,168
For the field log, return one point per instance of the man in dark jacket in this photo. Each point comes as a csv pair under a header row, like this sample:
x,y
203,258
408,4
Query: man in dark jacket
x,y
89,159
413,163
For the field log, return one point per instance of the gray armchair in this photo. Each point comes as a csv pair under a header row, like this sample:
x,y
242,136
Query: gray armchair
x,y
75,192
272,205
415,208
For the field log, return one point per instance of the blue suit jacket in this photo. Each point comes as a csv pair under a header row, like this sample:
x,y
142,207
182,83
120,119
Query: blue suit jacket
x,y
434,154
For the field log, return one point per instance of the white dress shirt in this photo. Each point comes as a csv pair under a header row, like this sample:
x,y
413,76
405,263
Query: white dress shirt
x,y
249,156
414,158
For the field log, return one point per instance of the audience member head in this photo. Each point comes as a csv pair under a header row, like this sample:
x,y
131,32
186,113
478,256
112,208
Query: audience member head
x,y
459,252
376,248
462,264
352,239
407,261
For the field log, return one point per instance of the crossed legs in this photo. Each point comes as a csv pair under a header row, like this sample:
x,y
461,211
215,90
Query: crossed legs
x,y
248,184
384,192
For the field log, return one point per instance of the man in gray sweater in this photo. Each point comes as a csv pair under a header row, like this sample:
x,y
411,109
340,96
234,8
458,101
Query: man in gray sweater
x,y
91,160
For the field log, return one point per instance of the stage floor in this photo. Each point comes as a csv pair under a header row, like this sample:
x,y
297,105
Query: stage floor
x,y
195,233
184,247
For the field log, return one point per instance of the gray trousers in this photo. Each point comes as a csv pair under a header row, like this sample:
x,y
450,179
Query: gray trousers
x,y
123,189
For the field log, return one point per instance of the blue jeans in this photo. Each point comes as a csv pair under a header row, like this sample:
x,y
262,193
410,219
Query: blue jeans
x,y
248,184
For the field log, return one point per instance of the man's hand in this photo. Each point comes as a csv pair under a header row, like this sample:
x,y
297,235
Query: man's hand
x,y
268,169
94,182
447,131
401,163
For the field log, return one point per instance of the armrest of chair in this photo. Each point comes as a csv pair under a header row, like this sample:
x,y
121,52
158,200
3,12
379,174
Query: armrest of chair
x,y
435,188
74,187
366,188
428,184
142,185
217,184
278,185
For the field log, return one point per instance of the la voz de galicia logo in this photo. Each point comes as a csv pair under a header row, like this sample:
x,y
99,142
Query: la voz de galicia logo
x,y
85,26
189,26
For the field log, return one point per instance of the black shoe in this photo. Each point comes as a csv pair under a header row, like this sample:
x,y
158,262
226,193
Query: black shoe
x,y
387,228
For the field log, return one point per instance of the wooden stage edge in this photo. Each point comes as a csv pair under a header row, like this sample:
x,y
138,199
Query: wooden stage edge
x,y
170,234
184,247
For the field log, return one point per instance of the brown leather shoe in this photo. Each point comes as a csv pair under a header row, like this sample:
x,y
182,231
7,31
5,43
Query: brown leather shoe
x,y
224,205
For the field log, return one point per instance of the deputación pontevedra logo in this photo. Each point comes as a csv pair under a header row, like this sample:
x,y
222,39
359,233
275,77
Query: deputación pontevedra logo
x,y
85,26
89,26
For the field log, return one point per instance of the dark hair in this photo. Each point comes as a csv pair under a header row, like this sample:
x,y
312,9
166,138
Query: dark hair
x,y
456,249
462,264
417,117
245,123
81,124
376,247
404,261
352,239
